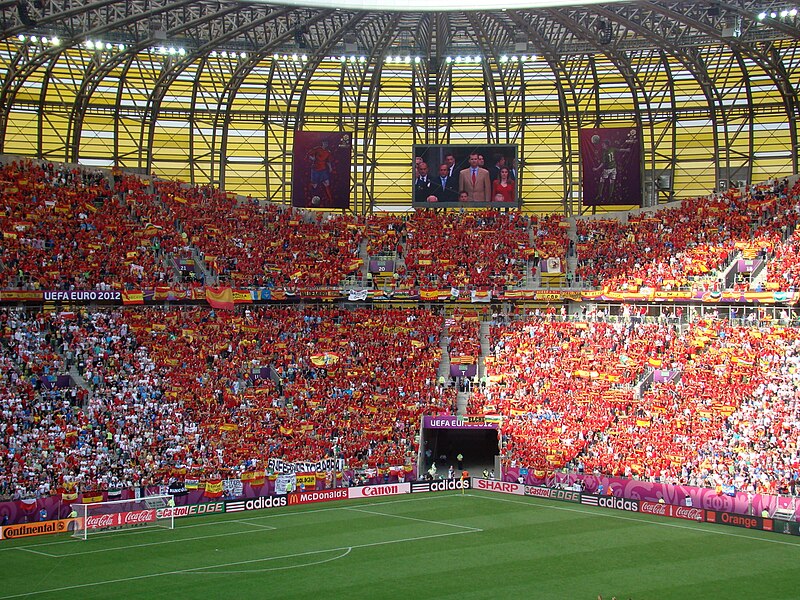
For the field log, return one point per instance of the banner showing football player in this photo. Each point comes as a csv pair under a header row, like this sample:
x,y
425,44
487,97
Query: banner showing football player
x,y
321,169
611,161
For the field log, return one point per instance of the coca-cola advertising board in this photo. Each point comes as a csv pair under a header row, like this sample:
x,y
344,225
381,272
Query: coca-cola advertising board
x,y
689,513
130,517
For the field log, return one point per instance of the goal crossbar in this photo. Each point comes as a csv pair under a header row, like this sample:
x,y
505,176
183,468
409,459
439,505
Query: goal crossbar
x,y
113,515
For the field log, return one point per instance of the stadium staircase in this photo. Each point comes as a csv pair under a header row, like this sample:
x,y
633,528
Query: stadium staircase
x,y
364,256
78,379
444,365
572,261
787,512
202,269
759,278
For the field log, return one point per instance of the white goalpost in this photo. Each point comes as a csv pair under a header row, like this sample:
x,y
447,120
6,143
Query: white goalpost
x,y
98,517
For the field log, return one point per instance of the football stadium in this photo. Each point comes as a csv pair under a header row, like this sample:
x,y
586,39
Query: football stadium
x,y
375,300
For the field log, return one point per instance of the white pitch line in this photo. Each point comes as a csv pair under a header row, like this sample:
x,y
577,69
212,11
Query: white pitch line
x,y
623,518
266,527
271,515
372,512
37,552
129,532
230,564
250,571
173,541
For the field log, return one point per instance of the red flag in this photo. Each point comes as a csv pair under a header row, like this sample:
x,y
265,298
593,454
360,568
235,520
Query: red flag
x,y
27,504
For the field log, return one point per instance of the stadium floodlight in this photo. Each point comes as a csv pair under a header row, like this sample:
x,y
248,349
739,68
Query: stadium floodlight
x,y
100,517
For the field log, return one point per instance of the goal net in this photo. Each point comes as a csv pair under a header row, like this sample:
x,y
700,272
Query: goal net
x,y
98,517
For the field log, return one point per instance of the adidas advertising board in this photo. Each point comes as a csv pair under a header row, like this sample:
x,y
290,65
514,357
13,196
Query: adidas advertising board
x,y
256,503
610,502
373,491
504,487
445,485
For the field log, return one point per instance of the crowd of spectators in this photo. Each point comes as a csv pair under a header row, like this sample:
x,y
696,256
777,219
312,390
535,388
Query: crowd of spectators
x,y
65,228
249,244
723,414
688,247
206,393
557,382
485,250
194,390
464,336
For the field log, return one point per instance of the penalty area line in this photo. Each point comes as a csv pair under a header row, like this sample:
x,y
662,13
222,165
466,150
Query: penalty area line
x,y
173,541
268,569
24,549
428,522
196,570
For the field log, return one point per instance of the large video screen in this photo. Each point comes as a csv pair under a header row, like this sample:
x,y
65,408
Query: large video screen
x,y
321,169
611,166
475,175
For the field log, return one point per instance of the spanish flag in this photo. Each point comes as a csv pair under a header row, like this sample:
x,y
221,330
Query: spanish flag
x,y
213,488
132,297
220,298
242,296
92,496
69,494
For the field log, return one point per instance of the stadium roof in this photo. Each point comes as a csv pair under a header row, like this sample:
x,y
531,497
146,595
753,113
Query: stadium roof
x,y
161,84
382,27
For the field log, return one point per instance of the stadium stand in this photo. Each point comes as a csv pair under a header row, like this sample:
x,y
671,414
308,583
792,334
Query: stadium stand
x,y
97,398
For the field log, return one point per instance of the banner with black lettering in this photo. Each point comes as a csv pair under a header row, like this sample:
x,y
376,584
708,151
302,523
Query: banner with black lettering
x,y
277,465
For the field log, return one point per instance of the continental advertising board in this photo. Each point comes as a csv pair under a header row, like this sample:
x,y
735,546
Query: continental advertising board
x,y
12,532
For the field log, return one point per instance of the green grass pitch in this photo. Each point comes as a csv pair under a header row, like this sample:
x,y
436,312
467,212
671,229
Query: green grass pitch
x,y
476,545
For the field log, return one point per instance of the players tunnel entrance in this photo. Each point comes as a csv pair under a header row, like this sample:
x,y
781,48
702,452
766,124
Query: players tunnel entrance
x,y
442,439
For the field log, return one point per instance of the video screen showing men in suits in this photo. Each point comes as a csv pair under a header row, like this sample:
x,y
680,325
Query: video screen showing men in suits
x,y
321,169
450,176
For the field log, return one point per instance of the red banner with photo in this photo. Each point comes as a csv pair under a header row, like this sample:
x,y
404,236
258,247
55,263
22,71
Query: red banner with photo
x,y
321,169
